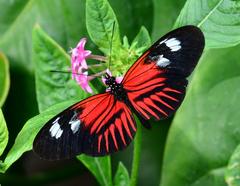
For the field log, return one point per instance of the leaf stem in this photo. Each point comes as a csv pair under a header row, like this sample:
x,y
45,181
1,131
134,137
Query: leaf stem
x,y
136,155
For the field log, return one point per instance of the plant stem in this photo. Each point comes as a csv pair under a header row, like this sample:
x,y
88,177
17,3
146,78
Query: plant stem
x,y
136,155
97,57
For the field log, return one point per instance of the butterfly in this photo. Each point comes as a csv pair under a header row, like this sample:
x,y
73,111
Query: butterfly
x,y
153,87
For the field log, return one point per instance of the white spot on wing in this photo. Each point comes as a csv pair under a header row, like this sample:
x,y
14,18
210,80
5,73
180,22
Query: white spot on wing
x,y
59,133
55,129
75,124
172,43
162,61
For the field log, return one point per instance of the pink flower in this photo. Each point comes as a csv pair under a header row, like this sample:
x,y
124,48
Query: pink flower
x,y
79,65
80,68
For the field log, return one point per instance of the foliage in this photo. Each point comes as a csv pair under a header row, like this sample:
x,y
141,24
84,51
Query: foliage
x,y
3,133
233,169
202,146
219,20
4,78
210,137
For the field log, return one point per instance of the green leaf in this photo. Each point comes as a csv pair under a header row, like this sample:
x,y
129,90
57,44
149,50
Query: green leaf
x,y
131,15
52,87
232,174
142,41
121,177
218,19
64,20
126,55
165,14
100,167
206,129
26,136
4,78
99,20
3,133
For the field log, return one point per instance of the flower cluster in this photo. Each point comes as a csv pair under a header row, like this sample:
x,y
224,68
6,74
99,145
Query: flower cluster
x,y
80,68
79,65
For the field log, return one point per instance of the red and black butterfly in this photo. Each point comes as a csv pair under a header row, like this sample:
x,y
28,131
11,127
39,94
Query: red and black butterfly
x,y
153,87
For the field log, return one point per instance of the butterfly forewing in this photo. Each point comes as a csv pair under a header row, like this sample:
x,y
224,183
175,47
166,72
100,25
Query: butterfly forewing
x,y
156,83
97,126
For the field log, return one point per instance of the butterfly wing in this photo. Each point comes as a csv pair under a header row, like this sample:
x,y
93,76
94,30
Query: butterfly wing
x,y
156,83
97,126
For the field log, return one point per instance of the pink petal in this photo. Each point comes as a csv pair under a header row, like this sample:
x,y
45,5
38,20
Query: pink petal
x,y
82,80
85,86
87,53
84,64
104,80
109,72
82,43
119,79
74,52
89,89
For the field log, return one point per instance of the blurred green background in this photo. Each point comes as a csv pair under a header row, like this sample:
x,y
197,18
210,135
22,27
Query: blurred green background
x,y
205,131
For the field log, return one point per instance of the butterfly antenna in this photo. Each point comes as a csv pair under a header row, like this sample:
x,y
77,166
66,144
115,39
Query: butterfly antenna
x,y
61,71
110,50
68,72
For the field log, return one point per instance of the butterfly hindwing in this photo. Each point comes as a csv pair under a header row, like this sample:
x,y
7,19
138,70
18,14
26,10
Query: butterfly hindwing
x,y
156,82
97,126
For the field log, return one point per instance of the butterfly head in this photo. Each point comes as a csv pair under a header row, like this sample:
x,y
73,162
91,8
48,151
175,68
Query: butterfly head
x,y
110,80
115,87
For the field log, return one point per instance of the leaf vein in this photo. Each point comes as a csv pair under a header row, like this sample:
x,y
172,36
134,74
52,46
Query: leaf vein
x,y
210,13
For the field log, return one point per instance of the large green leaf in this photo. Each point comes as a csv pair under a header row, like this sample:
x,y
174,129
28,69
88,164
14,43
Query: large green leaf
x,y
4,78
132,15
100,19
219,20
9,13
64,20
206,129
26,136
165,14
232,174
141,42
3,133
100,168
52,87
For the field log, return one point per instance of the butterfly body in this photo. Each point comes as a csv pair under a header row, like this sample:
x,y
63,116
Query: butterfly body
x,y
115,88
153,88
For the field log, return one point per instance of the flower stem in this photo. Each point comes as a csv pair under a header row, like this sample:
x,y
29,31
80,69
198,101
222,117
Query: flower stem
x,y
136,155
97,57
